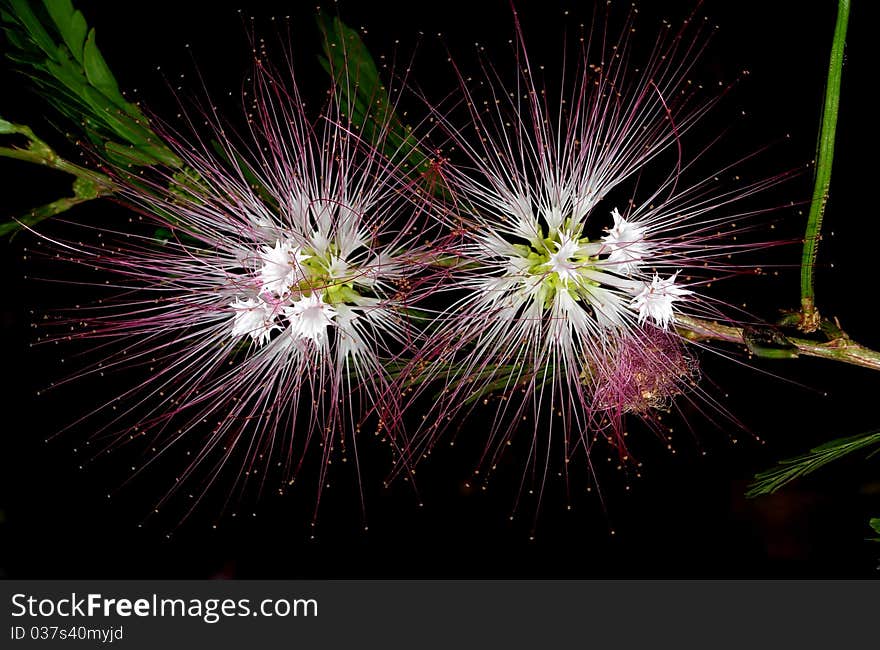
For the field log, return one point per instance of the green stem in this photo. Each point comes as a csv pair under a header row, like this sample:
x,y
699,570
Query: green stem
x,y
40,154
824,159
88,184
841,348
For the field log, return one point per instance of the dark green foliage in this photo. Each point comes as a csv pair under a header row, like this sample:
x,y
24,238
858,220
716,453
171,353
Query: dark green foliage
x,y
790,469
50,42
362,97
874,523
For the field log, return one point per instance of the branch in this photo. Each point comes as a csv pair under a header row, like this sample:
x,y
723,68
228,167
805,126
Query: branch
x,y
88,184
840,348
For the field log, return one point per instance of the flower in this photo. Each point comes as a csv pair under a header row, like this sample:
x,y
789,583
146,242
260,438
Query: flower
x,y
646,373
272,314
626,241
565,305
255,318
281,266
309,318
656,298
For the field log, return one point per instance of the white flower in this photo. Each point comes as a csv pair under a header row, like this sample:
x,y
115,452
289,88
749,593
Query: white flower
x,y
627,245
255,318
280,266
554,217
309,317
561,263
656,298
265,226
338,268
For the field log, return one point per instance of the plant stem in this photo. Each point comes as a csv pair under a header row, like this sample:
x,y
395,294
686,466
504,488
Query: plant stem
x,y
841,348
88,185
824,158
49,158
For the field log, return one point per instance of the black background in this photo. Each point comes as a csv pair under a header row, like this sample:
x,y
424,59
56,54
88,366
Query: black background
x,y
686,517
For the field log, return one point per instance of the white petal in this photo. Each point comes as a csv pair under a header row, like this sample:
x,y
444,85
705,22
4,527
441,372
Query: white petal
x,y
309,317
625,244
281,266
655,300
254,318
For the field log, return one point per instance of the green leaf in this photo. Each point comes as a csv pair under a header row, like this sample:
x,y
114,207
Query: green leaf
x,y
68,76
363,99
70,23
790,469
98,73
874,523
51,43
21,10
6,127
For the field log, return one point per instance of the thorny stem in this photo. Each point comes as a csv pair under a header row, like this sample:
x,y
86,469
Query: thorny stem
x,y
89,185
840,348
810,319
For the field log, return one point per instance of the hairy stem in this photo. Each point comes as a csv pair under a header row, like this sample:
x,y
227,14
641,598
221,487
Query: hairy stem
x,y
88,184
841,348
824,159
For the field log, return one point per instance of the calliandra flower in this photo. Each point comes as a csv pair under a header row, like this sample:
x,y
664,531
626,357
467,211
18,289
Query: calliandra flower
x,y
309,317
572,264
646,372
266,317
654,300
281,267
253,317
626,244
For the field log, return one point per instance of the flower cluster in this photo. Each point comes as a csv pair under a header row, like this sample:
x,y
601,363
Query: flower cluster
x,y
275,304
570,276
279,314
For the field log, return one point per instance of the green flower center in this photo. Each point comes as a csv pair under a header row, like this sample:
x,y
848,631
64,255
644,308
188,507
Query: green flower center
x,y
322,273
560,257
